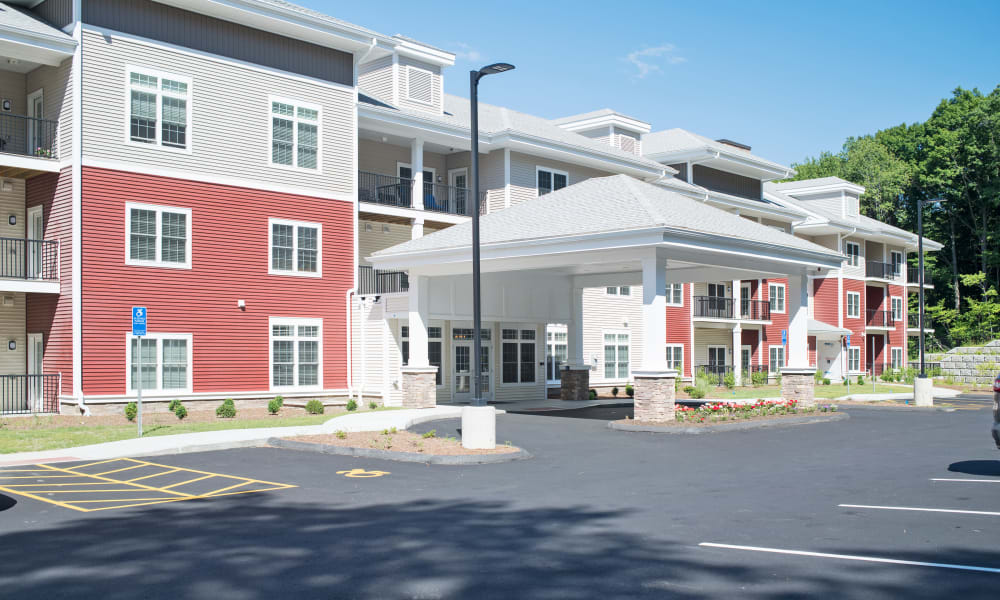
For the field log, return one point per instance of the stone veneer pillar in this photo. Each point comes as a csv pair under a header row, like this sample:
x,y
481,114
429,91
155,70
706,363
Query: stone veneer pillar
x,y
654,396
799,384
574,383
419,387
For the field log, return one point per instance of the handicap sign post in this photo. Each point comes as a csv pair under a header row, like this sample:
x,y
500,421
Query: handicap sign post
x,y
848,369
138,330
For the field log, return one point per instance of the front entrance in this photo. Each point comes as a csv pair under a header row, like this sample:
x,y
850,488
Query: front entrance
x,y
35,235
36,350
462,365
36,110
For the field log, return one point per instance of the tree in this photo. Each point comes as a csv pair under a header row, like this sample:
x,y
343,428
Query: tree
x,y
884,176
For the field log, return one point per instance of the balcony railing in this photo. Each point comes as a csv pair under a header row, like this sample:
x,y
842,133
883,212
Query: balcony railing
x,y
755,310
27,136
715,372
880,318
913,321
882,270
713,307
398,191
913,275
29,259
374,281
26,394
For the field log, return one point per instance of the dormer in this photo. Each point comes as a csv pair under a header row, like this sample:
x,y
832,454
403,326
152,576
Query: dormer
x,y
406,75
832,194
608,127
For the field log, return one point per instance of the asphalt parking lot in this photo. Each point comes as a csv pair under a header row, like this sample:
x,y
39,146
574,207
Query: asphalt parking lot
x,y
886,504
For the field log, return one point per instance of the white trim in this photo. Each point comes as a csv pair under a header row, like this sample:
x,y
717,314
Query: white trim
x,y
409,96
847,306
296,105
160,93
725,351
771,367
670,295
902,308
409,166
902,358
671,362
458,171
295,322
616,333
618,291
552,173
30,286
784,297
294,272
39,94
847,261
847,367
159,210
158,338
519,327
506,178
76,243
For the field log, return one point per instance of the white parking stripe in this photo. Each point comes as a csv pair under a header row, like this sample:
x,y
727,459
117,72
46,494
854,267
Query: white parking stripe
x,y
968,480
941,510
875,559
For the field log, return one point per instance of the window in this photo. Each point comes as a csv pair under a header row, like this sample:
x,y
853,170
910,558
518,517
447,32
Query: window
x,y
295,248
550,180
897,308
897,263
675,356
853,254
158,236
518,354
159,109
675,294
296,353
166,363
776,297
777,356
433,348
854,304
419,85
295,134
556,353
616,355
896,358
619,290
853,359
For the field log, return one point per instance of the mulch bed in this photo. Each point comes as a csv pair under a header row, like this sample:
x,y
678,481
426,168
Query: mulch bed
x,y
710,422
400,441
148,418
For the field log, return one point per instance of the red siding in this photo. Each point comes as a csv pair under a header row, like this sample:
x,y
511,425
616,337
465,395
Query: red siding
x,y
812,349
856,325
229,262
779,321
52,314
679,328
825,300
897,336
749,337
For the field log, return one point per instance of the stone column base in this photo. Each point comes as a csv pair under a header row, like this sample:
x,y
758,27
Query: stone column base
x,y
574,383
923,391
654,396
799,384
419,387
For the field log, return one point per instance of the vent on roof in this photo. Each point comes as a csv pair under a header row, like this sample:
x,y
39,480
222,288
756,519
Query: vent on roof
x,y
419,85
738,145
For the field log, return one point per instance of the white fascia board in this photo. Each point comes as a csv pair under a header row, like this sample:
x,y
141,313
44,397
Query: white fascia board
x,y
615,119
824,259
824,189
424,53
769,169
392,121
35,47
574,154
760,206
410,213
29,162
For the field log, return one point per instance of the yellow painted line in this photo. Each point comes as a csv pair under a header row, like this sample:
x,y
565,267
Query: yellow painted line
x,y
206,472
43,476
21,470
21,485
138,485
85,491
41,499
173,485
226,488
122,469
134,505
153,475
100,462
162,499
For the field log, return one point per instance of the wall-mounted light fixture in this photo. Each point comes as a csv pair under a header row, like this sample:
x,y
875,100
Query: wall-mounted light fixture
x,y
12,220
7,186
241,304
12,345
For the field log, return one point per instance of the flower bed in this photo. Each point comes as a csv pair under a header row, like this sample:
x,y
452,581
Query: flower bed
x,y
715,412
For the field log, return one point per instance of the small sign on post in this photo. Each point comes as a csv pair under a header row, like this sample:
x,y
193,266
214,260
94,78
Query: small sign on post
x,y
138,330
784,337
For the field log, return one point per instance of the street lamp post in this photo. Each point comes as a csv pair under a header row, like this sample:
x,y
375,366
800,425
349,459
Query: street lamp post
x,y
922,387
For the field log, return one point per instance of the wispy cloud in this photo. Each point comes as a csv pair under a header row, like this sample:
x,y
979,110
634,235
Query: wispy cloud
x,y
649,61
466,53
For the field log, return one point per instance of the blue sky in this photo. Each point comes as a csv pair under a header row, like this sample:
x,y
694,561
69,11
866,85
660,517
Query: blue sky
x,y
789,78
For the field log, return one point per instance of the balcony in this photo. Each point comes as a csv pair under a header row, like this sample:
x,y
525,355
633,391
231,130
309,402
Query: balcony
x,y
27,136
881,270
880,318
755,310
713,307
29,394
913,276
375,282
388,190
913,323
29,265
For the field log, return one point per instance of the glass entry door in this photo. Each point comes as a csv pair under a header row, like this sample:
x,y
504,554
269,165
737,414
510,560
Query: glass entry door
x,y
462,390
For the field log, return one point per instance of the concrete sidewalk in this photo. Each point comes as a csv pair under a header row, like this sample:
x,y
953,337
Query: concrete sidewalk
x,y
232,438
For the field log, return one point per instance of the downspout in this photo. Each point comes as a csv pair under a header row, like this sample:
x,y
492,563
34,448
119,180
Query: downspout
x,y
350,345
371,48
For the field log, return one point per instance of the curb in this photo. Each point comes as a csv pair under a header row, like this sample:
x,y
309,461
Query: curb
x,y
840,416
412,457
946,409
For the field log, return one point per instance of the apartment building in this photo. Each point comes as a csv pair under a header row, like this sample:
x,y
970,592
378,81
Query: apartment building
x,y
234,167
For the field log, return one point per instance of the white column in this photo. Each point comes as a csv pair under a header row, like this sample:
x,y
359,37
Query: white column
x,y
738,353
416,228
654,314
797,301
419,305
417,168
737,297
574,331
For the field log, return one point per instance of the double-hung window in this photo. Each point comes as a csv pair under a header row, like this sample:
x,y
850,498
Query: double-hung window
x,y
854,304
853,359
777,359
896,358
295,248
615,290
159,109
518,355
675,356
165,364
550,180
897,308
897,264
158,236
853,251
296,353
675,295
776,297
295,134
616,365
433,348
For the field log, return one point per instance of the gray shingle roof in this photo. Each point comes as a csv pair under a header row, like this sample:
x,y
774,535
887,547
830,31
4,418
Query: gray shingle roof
x,y
603,205
604,112
679,140
16,18
807,183
315,14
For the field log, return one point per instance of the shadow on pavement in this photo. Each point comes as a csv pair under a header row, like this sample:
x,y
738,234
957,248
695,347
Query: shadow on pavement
x,y
6,502
976,467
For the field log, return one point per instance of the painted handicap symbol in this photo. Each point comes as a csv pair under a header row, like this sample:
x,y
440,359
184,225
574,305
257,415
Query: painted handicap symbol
x,y
362,473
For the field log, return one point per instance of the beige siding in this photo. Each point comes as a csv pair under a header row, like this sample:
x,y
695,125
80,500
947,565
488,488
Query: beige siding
x,y
57,101
12,87
375,78
376,157
830,201
12,320
857,272
229,133
377,239
601,313
491,179
436,81
705,337
12,203
523,184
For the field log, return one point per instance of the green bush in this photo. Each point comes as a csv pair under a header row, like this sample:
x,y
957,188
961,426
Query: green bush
x,y
273,406
173,405
429,434
818,376
777,378
688,389
352,405
315,407
630,391
887,377
226,410
845,381
697,393
372,404
280,400
758,378
614,392
181,411
826,381
729,380
861,380
341,434
592,394
131,410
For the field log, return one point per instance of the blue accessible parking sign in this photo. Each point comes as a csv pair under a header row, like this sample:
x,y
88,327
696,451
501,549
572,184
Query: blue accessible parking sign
x,y
138,320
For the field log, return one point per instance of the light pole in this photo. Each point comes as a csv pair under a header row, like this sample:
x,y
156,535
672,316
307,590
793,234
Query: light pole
x,y
477,350
922,387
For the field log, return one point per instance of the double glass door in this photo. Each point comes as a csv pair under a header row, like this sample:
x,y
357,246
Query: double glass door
x,y
463,371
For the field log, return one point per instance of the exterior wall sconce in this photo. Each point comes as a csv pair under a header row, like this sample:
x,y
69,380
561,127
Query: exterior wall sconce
x,y
12,345
241,304
12,220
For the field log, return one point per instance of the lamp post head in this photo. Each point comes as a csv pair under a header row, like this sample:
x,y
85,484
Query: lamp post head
x,y
491,70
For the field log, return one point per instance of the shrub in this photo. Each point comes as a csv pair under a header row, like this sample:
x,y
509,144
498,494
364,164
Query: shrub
x,y
273,406
352,405
861,380
696,393
280,400
173,405
226,410
592,394
887,377
429,434
181,411
372,404
688,389
818,376
630,391
777,378
758,378
844,382
826,381
729,380
315,407
614,392
131,410
341,434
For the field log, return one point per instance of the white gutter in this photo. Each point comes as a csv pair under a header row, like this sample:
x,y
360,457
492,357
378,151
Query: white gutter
x,y
371,48
350,329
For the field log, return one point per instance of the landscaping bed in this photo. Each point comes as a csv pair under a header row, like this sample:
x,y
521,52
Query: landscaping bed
x,y
711,413
405,446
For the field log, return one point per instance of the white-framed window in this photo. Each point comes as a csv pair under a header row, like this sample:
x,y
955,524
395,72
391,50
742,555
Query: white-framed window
x,y
776,354
618,290
295,134
166,363
517,355
556,352
776,297
419,85
158,109
675,294
897,308
296,353
433,348
157,236
853,359
896,259
616,354
550,180
896,358
295,248
854,304
675,356
853,252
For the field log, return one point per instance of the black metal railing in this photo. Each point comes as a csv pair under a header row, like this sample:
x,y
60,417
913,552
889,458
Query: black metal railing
x,y
398,191
27,394
880,318
755,310
749,372
375,281
913,321
29,259
715,372
913,275
27,136
713,307
882,270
